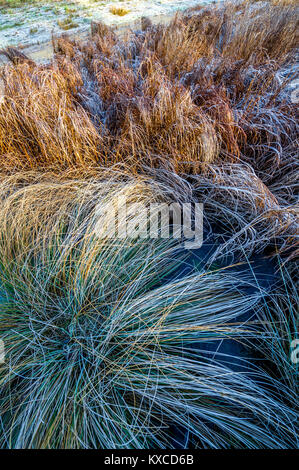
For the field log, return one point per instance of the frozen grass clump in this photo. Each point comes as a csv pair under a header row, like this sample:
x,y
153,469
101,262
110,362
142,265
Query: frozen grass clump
x,y
206,97
119,11
122,343
210,87
103,338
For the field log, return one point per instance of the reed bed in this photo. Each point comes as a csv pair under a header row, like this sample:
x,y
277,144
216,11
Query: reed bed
x,y
140,343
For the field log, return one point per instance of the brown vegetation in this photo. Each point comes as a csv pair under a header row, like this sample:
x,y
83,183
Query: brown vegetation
x,y
113,335
206,97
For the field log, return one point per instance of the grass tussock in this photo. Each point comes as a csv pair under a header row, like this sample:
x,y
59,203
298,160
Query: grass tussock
x,y
67,23
99,342
119,11
213,88
138,343
206,89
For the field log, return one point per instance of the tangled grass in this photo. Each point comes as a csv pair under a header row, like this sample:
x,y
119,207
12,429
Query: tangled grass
x,y
121,343
210,87
207,96
105,337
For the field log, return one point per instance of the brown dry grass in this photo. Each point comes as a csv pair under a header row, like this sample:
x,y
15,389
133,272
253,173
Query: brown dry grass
x,y
206,88
199,110
205,97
